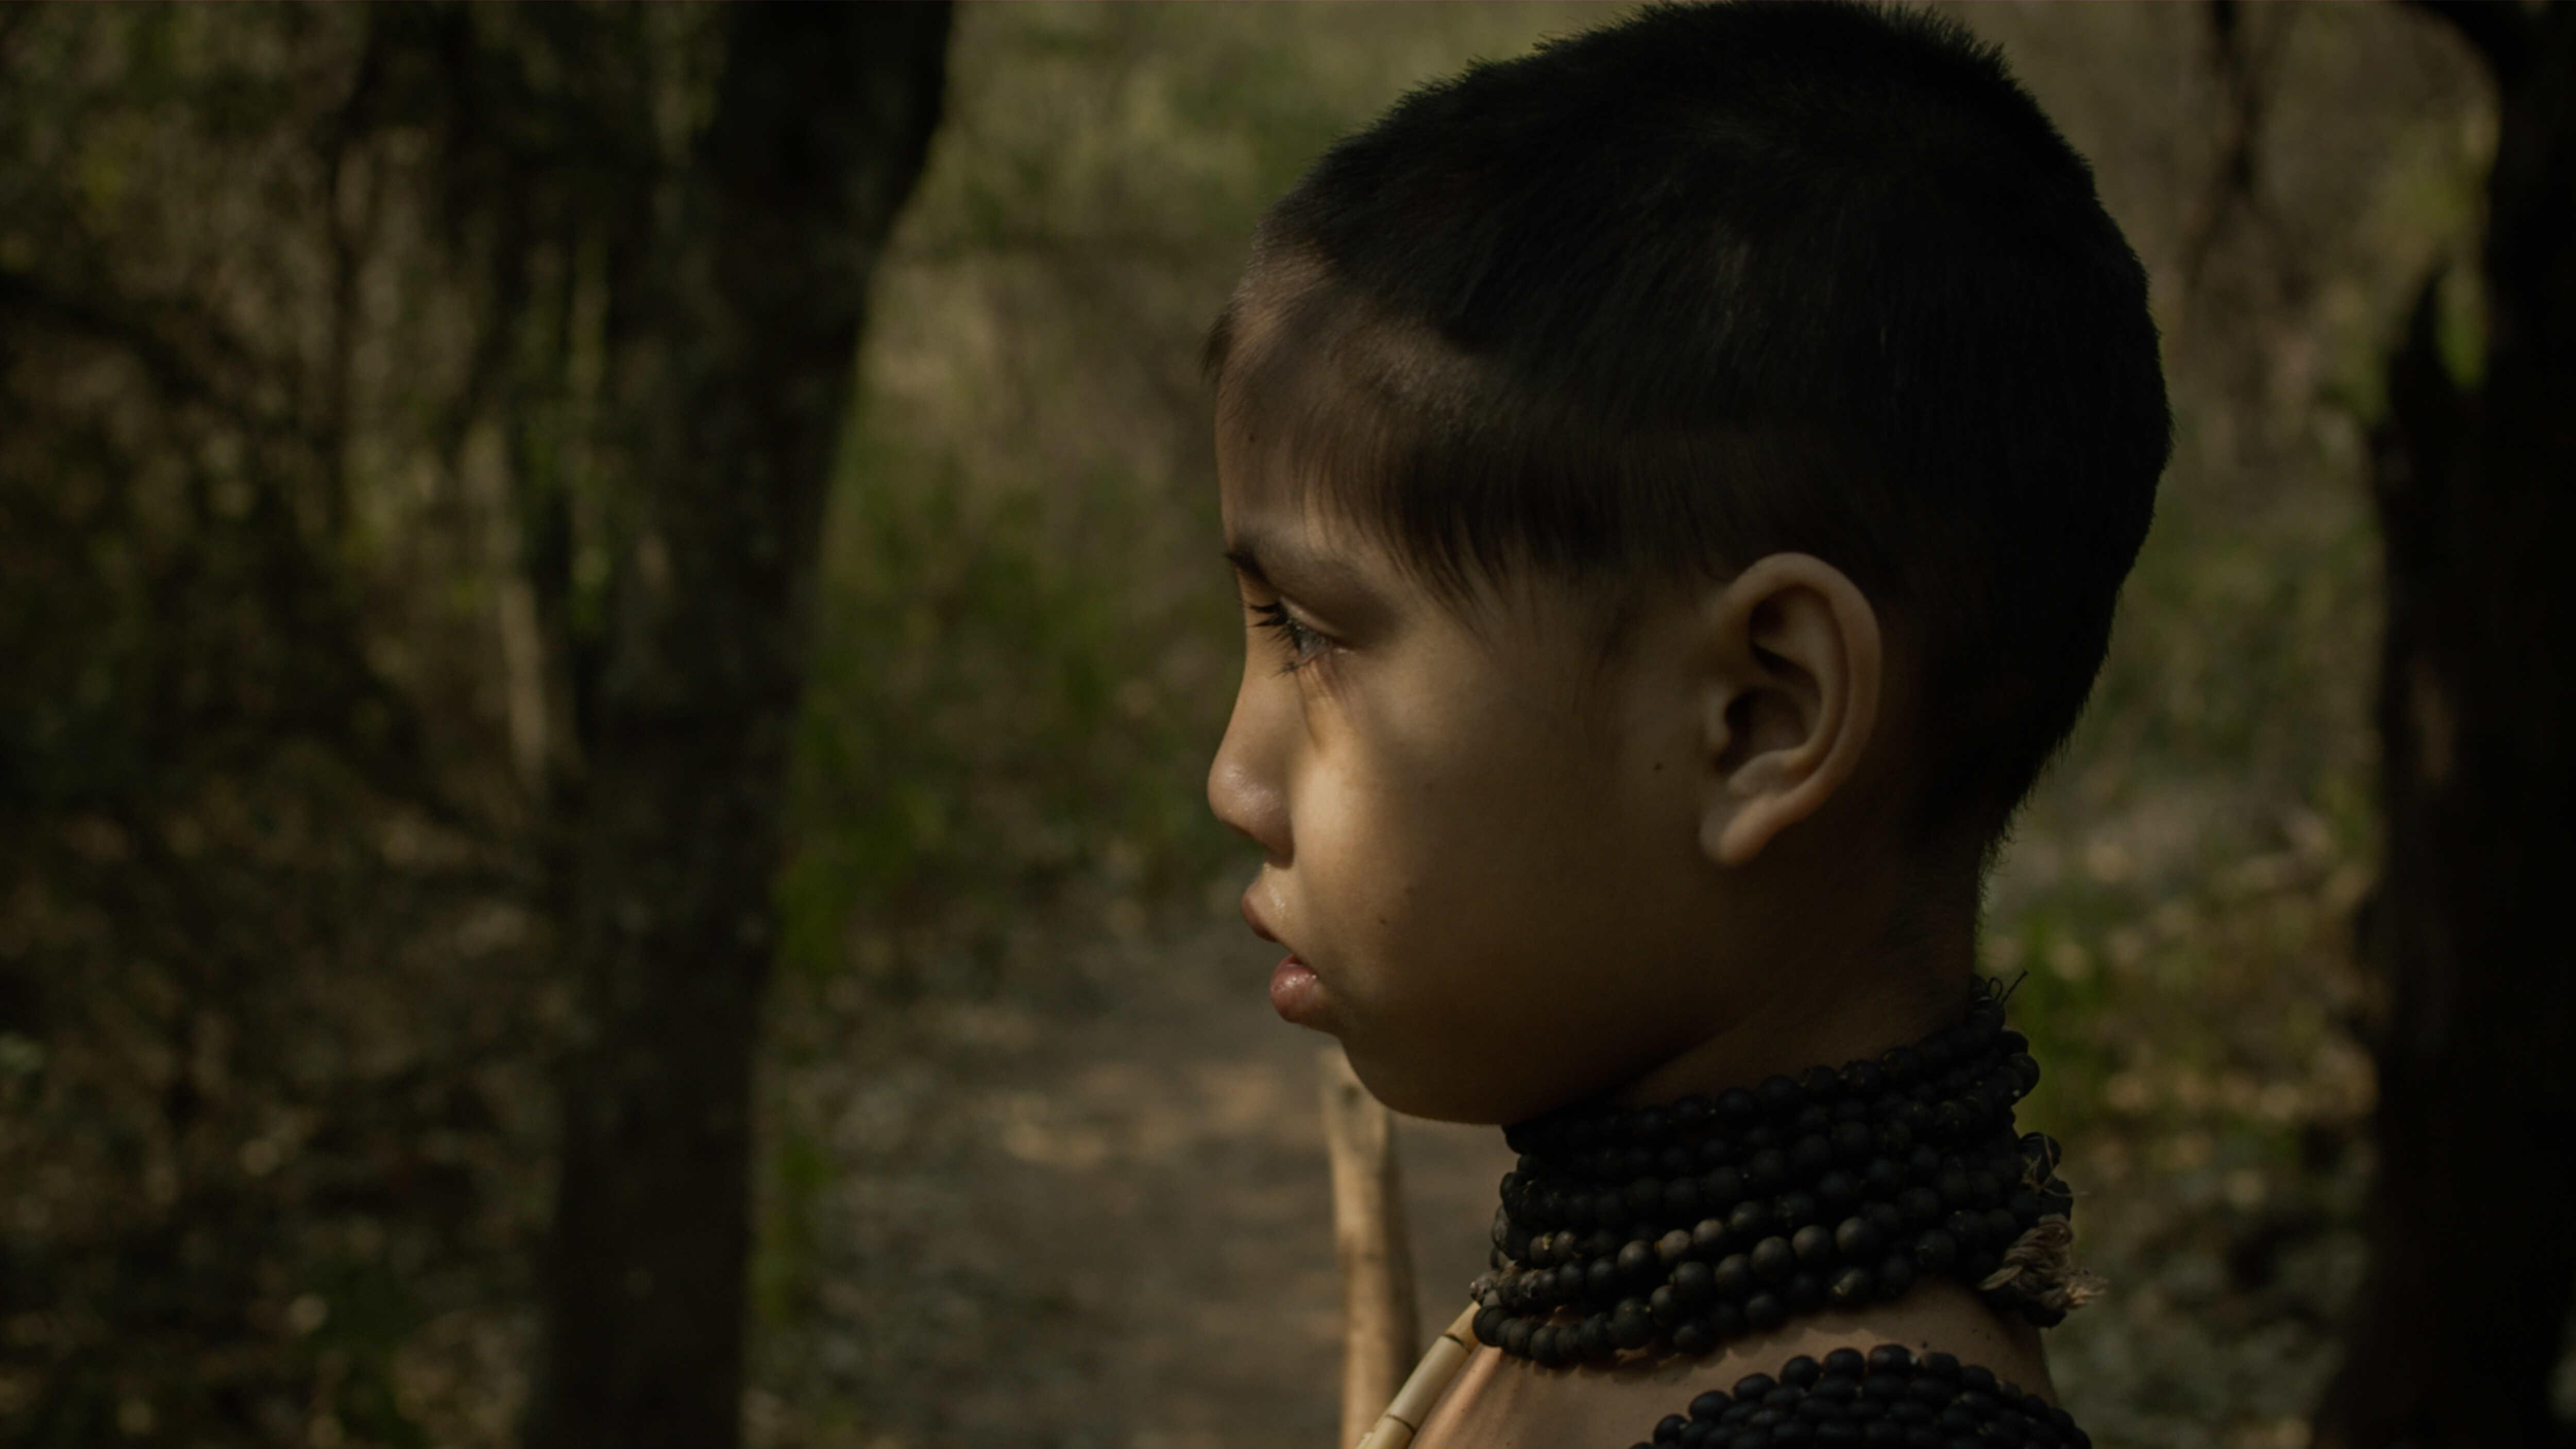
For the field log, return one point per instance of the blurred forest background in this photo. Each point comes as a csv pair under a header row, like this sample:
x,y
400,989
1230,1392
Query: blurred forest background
x,y
305,361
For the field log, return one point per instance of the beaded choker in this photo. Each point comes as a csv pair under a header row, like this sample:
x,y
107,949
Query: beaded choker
x,y
1676,1228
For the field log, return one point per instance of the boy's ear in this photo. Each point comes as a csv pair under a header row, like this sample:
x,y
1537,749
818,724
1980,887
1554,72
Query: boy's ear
x,y
1789,700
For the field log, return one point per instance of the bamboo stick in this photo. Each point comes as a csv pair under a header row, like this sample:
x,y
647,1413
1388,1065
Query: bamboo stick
x,y
1430,1379
1380,1326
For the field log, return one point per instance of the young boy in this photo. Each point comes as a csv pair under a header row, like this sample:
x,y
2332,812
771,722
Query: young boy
x,y
1679,482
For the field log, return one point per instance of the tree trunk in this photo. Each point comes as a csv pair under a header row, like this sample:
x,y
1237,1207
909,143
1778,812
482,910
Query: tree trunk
x,y
732,347
2472,1263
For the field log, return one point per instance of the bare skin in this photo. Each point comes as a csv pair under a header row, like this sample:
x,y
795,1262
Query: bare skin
x,y
1501,1402
1515,875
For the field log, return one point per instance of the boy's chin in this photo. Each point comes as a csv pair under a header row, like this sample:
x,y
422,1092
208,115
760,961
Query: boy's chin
x,y
1436,1092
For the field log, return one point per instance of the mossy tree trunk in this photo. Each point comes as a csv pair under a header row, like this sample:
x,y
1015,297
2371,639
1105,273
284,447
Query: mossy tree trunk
x,y
732,333
2459,1324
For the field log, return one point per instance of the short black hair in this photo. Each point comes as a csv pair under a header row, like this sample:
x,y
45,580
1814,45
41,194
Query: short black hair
x,y
1722,280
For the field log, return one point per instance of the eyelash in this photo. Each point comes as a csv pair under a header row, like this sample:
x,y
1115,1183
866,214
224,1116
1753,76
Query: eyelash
x,y
1305,645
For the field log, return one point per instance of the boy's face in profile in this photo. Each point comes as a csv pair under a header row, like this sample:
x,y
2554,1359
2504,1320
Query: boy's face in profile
x,y
1479,845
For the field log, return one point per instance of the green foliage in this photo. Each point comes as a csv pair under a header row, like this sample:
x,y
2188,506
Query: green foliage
x,y
986,725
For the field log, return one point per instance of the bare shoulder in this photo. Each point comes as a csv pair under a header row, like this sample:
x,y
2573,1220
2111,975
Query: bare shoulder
x,y
1502,1402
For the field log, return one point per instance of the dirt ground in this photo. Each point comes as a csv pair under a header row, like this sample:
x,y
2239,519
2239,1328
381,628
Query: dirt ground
x,y
1110,1230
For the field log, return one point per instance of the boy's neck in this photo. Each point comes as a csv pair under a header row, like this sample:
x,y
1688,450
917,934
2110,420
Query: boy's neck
x,y
1899,986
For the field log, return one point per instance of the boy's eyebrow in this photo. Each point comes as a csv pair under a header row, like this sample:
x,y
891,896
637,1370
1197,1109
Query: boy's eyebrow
x,y
1275,562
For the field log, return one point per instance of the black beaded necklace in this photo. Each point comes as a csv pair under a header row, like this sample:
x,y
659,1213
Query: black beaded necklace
x,y
1885,1397
1677,1228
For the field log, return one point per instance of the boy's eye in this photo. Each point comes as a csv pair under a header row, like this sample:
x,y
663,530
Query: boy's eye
x,y
1304,644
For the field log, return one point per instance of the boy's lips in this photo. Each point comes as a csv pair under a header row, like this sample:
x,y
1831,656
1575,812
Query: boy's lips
x,y
1296,993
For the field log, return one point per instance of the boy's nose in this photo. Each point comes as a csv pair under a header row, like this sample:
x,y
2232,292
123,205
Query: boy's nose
x,y
1243,787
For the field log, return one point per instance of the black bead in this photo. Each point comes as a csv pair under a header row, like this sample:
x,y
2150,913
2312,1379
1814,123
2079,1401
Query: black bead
x,y
1669,1429
1709,1405
1750,1218
1637,1262
1852,1287
1852,1143
1794,1210
1732,1277
1681,1198
1694,1336
1838,1190
1804,1293
1969,1228
1516,1337
1812,1244
1722,1187
1890,1222
1764,1312
1767,1171
1813,1117
1592,1338
1773,1261
1983,1189
1726,1319
1543,1346
1780,1096
2041,1149
1752,1388
1801,1372
2023,1204
1902,1066
1644,1197
1738,1108
1694,1283
1672,1247
1895,1276
1708,1239
1489,1325
1977,1379
1936,1252
1810,1156
1858,1239
1666,1306
1885,1176
1942,1368
2025,1068
1694,1113
1648,1126
1864,1078
1677,1162
2001,1229
1601,1279
1713,1152
1823,1084
1630,1325
1891,1358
